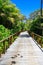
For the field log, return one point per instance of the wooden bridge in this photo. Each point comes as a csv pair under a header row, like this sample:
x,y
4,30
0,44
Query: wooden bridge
x,y
23,51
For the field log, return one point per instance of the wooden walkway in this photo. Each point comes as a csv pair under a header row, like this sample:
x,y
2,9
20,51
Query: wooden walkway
x,y
23,51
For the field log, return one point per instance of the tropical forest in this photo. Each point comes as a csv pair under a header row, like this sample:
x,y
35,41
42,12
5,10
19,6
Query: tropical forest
x,y
13,22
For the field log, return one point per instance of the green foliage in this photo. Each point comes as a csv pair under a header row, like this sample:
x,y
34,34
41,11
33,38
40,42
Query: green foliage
x,y
36,26
11,18
28,24
4,32
35,14
9,13
11,21
22,26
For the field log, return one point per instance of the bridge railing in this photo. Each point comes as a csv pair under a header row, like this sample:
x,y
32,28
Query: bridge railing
x,y
37,37
4,44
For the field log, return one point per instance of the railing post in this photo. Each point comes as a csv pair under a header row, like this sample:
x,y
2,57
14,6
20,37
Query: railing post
x,y
41,42
32,35
4,49
0,53
10,40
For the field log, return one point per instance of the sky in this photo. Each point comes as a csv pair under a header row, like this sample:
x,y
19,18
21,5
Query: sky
x,y
27,6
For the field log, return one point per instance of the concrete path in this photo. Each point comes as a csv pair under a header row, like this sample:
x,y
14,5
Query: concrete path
x,y
23,51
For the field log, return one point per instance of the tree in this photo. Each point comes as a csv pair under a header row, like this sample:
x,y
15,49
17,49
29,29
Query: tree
x,y
36,26
9,13
35,14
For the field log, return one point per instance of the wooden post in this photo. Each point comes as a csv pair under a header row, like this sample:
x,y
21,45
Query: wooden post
x,y
32,35
8,43
42,30
4,49
0,54
41,42
10,40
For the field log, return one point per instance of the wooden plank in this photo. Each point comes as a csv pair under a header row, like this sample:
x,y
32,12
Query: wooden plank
x,y
23,51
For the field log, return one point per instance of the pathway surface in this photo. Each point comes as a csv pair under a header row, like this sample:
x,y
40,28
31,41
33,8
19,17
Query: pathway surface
x,y
23,51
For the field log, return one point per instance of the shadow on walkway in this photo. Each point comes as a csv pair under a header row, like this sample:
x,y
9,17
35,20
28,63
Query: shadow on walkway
x,y
25,35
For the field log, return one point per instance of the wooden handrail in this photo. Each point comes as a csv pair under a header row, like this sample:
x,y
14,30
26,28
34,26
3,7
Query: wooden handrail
x,y
37,37
9,39
35,33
